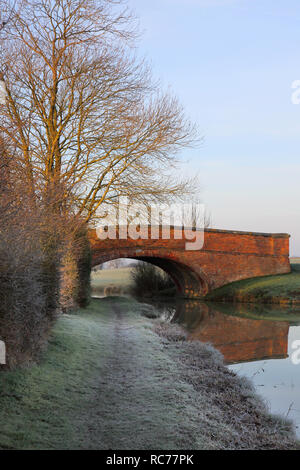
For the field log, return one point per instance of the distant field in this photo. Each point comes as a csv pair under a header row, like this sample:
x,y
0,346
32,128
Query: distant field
x,y
269,289
111,281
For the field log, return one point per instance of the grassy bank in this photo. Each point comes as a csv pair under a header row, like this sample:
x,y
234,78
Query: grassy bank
x,y
37,404
109,381
280,289
258,311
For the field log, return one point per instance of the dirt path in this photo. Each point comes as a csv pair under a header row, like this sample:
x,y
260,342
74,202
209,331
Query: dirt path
x,y
113,379
156,393
137,402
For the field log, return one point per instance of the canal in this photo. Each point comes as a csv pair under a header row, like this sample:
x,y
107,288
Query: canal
x,y
257,341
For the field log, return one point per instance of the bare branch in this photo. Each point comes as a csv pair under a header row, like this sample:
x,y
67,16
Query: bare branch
x,y
83,112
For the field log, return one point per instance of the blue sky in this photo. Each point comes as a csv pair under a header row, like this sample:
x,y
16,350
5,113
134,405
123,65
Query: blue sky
x,y
232,64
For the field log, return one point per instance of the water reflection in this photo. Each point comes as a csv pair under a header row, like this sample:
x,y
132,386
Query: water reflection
x,y
255,340
241,332
238,338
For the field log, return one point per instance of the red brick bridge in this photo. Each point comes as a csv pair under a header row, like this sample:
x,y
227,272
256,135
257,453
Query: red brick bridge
x,y
226,256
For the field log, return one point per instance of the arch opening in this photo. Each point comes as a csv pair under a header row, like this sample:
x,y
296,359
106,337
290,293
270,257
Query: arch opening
x,y
188,283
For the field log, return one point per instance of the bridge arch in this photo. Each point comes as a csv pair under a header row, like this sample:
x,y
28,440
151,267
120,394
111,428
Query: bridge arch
x,y
226,256
188,282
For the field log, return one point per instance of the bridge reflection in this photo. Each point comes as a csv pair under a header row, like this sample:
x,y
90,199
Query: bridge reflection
x,y
238,337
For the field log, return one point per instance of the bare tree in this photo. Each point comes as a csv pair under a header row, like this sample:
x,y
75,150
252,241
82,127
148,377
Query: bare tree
x,y
83,115
6,13
195,215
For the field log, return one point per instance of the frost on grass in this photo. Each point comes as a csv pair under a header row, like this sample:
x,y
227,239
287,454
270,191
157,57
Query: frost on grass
x,y
148,311
171,332
229,413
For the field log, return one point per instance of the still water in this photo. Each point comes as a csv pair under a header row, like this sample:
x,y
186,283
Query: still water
x,y
258,342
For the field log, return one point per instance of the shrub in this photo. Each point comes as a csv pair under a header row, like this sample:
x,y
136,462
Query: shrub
x,y
84,266
149,280
75,271
28,269
38,239
26,288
